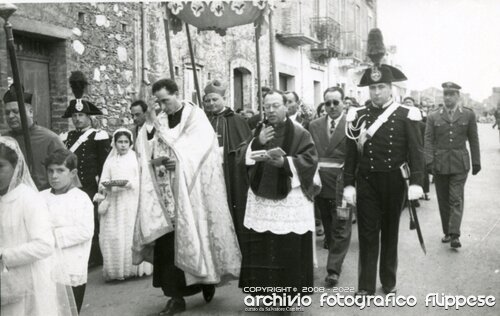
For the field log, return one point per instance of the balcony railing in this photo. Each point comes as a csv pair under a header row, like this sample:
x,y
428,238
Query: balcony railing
x,y
354,47
327,31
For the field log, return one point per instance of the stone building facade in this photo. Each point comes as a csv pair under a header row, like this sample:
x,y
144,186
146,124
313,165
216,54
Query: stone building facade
x,y
121,48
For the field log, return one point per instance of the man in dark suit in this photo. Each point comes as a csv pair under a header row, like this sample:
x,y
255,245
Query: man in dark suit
x,y
447,131
294,112
138,110
328,134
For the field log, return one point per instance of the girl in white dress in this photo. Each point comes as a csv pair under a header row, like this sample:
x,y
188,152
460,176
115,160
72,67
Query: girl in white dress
x,y
118,210
27,266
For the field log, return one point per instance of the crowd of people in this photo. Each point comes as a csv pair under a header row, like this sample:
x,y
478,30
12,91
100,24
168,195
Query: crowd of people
x,y
198,196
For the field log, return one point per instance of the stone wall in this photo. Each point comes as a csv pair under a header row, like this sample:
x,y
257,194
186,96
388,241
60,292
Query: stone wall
x,y
104,41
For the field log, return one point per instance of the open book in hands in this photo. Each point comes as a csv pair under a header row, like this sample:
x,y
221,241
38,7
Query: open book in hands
x,y
263,155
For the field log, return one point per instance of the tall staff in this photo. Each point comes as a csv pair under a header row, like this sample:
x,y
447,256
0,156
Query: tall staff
x,y
6,10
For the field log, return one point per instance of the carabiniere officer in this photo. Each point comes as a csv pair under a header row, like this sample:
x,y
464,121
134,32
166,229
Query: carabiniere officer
x,y
382,136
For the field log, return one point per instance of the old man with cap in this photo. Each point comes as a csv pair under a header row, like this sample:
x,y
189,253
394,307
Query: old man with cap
x,y
231,131
383,139
43,140
447,157
90,145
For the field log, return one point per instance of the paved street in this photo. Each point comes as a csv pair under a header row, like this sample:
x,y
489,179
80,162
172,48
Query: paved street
x,y
472,270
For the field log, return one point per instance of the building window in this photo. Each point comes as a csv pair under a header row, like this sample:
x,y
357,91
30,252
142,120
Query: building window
x,y
209,76
124,27
176,69
81,17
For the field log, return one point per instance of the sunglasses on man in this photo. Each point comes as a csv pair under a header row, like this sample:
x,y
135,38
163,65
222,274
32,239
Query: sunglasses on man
x,y
332,102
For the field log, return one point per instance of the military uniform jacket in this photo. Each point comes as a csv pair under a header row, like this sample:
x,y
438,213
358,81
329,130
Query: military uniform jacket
x,y
397,141
331,149
445,141
91,156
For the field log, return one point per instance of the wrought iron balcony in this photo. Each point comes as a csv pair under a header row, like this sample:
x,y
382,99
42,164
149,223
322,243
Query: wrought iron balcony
x,y
327,31
353,50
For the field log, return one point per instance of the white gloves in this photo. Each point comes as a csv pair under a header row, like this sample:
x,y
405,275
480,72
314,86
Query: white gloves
x,y
350,195
415,192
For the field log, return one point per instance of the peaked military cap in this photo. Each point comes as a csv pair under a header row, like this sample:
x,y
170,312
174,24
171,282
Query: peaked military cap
x,y
450,86
11,96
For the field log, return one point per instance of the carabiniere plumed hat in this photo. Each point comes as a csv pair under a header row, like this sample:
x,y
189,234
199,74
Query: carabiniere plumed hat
x,y
78,83
379,73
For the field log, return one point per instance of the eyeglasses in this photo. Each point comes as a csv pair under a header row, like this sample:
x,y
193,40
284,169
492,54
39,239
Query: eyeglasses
x,y
332,102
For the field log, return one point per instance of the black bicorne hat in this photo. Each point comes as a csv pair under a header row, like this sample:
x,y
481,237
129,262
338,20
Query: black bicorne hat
x,y
381,74
78,83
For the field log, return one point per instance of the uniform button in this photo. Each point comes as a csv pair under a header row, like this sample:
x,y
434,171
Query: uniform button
x,y
390,136
392,129
371,158
372,167
392,121
390,166
371,151
389,159
390,143
451,132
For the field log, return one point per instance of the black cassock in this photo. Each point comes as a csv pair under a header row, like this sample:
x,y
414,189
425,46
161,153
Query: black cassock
x,y
280,260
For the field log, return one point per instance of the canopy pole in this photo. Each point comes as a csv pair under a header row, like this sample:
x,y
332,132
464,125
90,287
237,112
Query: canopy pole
x,y
169,44
274,77
195,76
259,86
19,92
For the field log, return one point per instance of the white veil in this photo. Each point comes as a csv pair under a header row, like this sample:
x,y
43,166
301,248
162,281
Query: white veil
x,y
56,297
21,172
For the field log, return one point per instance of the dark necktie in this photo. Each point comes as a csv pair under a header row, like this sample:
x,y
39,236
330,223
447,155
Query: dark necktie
x,y
332,128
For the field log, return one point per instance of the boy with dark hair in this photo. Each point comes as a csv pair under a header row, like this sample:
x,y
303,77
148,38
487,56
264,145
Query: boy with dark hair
x,y
72,217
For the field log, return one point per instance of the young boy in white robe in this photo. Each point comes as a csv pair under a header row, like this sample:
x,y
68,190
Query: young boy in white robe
x,y
72,217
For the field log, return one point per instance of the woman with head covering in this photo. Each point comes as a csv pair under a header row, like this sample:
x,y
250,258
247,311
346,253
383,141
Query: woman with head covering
x,y
28,286
119,209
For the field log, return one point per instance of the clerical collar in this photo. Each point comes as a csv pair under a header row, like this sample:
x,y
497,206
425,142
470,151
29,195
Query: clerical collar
x,y
221,111
175,118
279,124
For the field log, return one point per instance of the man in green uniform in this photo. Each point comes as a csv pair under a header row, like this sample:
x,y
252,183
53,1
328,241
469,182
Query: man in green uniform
x,y
447,157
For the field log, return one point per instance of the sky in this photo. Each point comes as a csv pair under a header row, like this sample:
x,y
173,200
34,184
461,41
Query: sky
x,y
445,40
